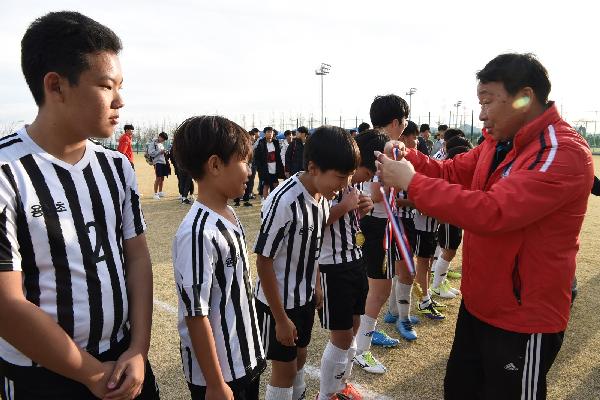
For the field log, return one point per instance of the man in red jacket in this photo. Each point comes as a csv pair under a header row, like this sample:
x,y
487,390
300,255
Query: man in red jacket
x,y
125,143
521,197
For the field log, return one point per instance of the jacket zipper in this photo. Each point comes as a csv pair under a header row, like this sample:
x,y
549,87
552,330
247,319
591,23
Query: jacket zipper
x,y
516,278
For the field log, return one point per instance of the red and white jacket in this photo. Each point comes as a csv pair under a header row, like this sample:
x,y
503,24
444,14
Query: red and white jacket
x,y
521,224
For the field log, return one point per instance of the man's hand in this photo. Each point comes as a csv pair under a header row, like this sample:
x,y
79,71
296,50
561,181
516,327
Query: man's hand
x,y
98,384
350,199
127,377
221,392
365,204
392,173
285,332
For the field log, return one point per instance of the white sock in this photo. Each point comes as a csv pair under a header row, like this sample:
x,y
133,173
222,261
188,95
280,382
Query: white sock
x,y
425,300
441,270
333,368
277,393
438,253
392,307
403,293
363,337
299,389
350,363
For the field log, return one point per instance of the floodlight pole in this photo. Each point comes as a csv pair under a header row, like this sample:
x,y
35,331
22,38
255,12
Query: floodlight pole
x,y
458,103
322,71
410,93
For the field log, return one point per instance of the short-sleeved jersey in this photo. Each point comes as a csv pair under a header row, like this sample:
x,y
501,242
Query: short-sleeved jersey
x,y
425,223
403,212
63,226
378,210
212,276
339,243
291,233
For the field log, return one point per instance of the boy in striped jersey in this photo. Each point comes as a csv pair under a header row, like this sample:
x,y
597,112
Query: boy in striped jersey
x,y
287,247
344,274
75,275
221,350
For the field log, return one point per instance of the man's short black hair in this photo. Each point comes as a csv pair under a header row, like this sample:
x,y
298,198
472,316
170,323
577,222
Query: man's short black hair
x,y
163,135
442,128
254,130
302,129
458,141
516,71
450,133
368,142
385,109
424,127
198,138
60,42
331,147
363,127
267,128
411,129
128,127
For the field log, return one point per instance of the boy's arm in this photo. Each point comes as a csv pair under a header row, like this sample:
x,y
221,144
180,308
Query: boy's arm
x,y
138,268
205,351
34,333
285,330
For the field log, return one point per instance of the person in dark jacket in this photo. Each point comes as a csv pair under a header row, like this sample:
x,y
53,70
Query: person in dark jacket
x,y
268,162
294,155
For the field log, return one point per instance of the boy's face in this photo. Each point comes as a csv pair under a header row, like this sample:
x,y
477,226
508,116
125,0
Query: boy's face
x,y
362,174
269,135
330,182
92,106
409,140
395,128
234,177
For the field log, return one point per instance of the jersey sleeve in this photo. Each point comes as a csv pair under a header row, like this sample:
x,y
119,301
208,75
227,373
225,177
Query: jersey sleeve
x,y
275,222
194,265
133,218
10,257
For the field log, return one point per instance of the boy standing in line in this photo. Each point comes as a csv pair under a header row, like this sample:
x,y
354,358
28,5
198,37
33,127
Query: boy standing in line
x,y
294,217
221,350
75,276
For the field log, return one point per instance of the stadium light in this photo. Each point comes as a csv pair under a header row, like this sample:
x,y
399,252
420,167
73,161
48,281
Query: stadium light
x,y
410,93
322,71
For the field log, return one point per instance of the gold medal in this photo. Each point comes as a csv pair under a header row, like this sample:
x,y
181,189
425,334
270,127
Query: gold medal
x,y
360,238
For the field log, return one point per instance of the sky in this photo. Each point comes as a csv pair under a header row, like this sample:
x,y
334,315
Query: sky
x,y
254,61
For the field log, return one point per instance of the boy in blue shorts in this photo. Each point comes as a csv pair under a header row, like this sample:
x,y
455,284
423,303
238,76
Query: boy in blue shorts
x,y
294,217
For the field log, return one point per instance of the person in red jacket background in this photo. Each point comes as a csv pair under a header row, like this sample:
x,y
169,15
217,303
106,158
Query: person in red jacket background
x,y
125,143
520,197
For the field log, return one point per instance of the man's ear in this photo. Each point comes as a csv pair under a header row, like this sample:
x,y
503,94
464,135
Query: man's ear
x,y
54,86
524,99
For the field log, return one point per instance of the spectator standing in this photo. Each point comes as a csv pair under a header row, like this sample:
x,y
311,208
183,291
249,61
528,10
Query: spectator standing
x,y
125,143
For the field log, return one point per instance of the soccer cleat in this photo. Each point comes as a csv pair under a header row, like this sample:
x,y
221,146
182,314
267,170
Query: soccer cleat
x,y
454,274
380,338
156,196
348,393
369,363
443,291
390,318
406,330
446,282
430,311
185,200
438,305
161,194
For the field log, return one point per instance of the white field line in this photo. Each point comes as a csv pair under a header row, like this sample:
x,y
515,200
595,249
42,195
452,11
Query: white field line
x,y
312,371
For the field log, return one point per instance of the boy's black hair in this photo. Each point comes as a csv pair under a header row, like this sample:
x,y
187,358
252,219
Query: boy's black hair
x,y
442,128
128,127
287,133
450,133
331,147
424,127
163,135
368,142
254,130
363,127
385,109
267,128
458,141
302,129
198,138
457,150
516,71
411,129
60,42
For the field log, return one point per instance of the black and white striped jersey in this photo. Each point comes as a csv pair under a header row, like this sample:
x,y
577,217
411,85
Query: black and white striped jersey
x,y
378,210
63,226
291,233
425,223
212,275
403,212
339,244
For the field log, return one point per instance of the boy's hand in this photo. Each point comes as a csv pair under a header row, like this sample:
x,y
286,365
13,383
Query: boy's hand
x,y
285,332
318,295
127,377
350,199
221,392
98,384
365,204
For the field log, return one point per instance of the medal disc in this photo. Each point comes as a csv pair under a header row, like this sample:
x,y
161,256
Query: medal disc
x,y
360,239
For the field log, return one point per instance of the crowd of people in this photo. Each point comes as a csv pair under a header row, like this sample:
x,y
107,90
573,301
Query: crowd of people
x,y
359,219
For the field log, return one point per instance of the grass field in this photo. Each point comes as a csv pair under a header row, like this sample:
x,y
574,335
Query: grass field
x,y
415,370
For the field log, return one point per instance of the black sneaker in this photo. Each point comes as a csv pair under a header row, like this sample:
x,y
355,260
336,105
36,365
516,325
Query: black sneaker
x,y
247,204
186,201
